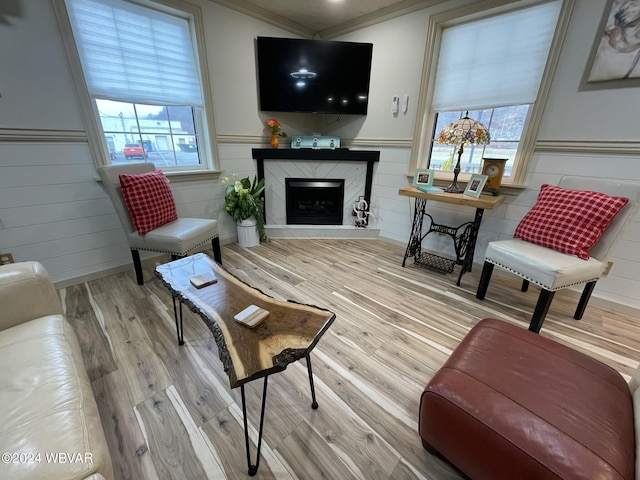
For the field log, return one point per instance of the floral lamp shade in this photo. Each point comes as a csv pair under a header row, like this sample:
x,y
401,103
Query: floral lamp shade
x,y
464,131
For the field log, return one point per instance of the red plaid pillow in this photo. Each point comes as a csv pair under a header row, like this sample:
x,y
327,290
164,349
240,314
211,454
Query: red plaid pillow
x,y
148,199
569,221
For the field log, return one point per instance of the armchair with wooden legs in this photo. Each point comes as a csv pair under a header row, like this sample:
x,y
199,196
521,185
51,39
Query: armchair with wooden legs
x,y
179,237
552,270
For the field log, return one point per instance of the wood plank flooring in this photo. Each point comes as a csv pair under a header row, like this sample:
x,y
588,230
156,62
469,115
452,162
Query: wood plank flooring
x,y
168,412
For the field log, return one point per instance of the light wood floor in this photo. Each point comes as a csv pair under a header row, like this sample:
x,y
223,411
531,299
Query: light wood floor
x,y
168,411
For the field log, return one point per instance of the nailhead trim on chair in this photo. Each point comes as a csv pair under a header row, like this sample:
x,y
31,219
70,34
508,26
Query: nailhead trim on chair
x,y
531,280
174,253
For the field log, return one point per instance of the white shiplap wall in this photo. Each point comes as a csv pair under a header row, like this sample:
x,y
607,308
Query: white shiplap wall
x,y
53,210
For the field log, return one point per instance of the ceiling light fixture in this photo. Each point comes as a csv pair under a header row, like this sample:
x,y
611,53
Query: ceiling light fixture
x,y
303,74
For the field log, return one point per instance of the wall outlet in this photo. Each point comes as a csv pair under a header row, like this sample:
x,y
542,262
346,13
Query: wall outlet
x,y
607,269
6,258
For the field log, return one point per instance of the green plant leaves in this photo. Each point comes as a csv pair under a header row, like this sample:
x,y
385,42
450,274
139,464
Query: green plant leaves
x,y
247,202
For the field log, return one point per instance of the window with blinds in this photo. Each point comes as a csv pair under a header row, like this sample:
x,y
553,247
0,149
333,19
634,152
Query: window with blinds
x,y
141,70
491,67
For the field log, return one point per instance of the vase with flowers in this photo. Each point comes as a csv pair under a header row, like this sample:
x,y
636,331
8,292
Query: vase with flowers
x,y
244,202
276,131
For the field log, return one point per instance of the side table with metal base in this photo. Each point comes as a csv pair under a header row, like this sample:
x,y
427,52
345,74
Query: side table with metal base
x,y
464,236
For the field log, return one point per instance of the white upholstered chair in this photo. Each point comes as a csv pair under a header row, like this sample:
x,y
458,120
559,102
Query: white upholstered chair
x,y
552,270
178,238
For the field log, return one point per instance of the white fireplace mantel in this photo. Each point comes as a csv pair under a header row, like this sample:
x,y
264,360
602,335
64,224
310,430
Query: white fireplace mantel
x,y
312,163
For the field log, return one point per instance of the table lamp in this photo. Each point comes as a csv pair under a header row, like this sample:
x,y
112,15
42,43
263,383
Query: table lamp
x,y
464,131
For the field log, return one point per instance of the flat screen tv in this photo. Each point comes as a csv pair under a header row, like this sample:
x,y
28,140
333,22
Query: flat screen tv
x,y
317,76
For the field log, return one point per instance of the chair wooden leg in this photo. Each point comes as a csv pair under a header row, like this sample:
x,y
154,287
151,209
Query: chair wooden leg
x,y
217,254
487,270
137,265
584,299
542,307
525,285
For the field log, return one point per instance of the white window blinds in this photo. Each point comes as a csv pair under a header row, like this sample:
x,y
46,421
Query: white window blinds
x,y
135,54
494,61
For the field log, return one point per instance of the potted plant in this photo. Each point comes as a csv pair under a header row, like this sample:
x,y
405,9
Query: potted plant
x,y
245,203
276,131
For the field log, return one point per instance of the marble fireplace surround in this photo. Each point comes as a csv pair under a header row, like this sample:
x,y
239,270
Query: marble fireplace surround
x,y
354,166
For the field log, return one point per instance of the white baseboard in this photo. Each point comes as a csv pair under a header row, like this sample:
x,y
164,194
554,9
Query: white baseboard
x,y
125,267
321,231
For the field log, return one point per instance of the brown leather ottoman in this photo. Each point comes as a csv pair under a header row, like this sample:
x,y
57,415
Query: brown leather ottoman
x,y
510,404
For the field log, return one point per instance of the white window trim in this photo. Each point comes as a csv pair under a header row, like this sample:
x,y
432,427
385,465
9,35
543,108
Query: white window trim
x,y
90,115
425,119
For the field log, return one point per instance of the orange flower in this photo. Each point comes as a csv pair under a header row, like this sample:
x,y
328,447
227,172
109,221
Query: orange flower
x,y
276,128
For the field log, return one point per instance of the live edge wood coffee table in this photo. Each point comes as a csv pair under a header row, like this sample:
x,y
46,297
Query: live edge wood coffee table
x,y
288,334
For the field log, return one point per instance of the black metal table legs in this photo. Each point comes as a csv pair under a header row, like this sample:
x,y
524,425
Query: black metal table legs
x,y
415,240
464,240
314,404
177,315
253,468
470,244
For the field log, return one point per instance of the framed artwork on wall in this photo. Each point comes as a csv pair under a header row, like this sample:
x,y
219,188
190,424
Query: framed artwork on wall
x,y
475,185
615,55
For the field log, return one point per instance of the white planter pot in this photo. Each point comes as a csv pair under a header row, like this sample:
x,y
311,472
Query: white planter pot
x,y
248,233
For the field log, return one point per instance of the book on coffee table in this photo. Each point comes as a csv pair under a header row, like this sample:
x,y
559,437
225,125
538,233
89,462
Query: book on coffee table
x,y
251,316
203,280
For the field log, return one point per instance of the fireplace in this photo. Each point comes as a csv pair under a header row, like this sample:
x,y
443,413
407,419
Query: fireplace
x,y
312,201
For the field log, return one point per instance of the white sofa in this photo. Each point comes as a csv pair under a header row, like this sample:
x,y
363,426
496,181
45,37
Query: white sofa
x,y
49,421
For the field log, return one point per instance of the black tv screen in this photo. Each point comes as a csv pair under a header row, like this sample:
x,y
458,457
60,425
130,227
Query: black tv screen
x,y
318,76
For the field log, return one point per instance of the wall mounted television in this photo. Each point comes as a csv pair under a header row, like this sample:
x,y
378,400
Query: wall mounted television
x,y
314,76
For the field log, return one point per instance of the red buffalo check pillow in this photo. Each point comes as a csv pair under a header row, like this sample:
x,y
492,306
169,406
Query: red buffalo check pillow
x,y
148,199
569,221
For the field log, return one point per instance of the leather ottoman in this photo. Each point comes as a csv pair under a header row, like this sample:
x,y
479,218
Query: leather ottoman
x,y
511,404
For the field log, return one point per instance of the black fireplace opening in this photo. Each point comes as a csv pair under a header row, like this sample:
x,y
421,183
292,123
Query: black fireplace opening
x,y
314,201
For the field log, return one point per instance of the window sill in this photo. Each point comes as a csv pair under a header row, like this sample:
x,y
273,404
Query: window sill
x,y
189,176
186,176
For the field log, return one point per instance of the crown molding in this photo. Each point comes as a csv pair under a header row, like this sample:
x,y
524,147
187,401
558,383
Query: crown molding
x,y
350,142
41,135
381,15
242,139
599,147
267,16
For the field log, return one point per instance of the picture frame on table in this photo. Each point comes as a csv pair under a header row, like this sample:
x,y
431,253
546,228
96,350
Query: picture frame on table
x,y
423,180
423,177
475,185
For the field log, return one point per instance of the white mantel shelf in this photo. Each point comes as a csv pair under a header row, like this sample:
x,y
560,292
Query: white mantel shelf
x,y
337,155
